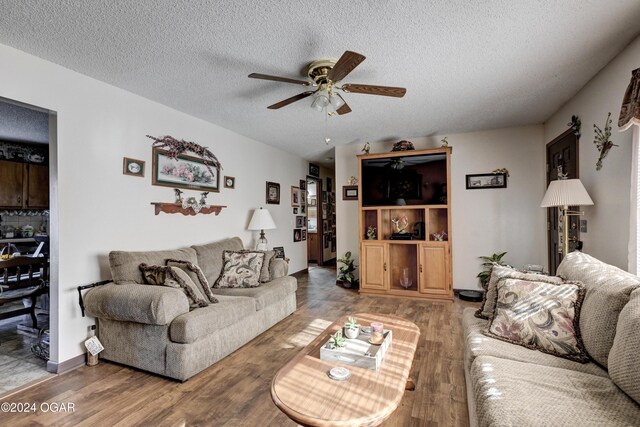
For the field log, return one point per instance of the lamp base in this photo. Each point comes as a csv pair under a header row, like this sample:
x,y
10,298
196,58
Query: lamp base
x,y
262,243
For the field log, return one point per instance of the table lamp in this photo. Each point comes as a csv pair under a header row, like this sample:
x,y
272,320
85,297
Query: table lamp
x,y
564,193
261,220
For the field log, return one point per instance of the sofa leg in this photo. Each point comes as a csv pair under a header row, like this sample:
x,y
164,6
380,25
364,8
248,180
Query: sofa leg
x,y
410,385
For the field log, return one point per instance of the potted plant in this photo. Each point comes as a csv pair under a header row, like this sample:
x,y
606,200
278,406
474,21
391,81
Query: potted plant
x,y
489,261
345,273
351,328
337,341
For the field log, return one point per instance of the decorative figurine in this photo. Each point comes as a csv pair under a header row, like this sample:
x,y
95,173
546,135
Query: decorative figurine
x,y
352,180
178,195
366,148
371,233
203,198
603,141
401,224
444,143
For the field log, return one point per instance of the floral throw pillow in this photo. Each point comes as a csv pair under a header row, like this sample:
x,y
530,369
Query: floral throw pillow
x,y
541,316
173,277
240,269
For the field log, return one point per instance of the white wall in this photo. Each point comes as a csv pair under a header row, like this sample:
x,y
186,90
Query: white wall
x,y
608,220
484,221
100,209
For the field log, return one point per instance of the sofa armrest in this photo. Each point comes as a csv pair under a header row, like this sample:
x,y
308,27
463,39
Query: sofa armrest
x,y
279,267
151,305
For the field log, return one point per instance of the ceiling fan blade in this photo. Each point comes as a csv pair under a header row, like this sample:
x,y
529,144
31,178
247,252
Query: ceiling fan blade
x,y
344,108
398,92
291,100
278,79
346,64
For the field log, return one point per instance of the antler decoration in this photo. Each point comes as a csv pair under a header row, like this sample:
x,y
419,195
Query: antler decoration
x,y
176,147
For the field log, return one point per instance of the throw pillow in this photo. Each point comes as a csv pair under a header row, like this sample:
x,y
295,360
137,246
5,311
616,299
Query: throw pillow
x,y
540,316
498,272
240,269
265,275
159,275
196,275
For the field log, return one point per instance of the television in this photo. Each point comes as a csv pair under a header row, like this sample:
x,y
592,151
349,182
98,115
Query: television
x,y
404,180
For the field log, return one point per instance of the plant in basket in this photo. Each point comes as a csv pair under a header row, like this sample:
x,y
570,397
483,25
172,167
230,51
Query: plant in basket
x,y
403,146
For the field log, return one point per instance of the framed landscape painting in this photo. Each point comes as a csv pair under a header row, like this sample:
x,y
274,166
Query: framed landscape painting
x,y
186,172
486,180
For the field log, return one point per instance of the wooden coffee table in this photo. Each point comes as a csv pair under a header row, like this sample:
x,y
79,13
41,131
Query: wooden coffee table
x,y
304,392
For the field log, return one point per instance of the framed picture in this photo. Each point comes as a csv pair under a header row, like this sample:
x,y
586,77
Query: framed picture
x,y
327,240
230,182
325,226
273,193
279,250
295,196
329,184
486,180
303,184
299,221
186,172
304,234
313,201
303,209
349,192
295,211
314,170
297,235
325,197
133,167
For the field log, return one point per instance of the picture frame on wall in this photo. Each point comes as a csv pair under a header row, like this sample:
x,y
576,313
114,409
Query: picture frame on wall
x,y
304,234
133,167
313,201
349,192
295,196
279,250
229,182
299,221
486,180
273,193
297,235
295,211
187,172
314,170
303,184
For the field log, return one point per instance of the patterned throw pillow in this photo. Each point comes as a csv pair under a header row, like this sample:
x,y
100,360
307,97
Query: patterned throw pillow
x,y
196,275
498,272
265,275
540,316
240,269
173,277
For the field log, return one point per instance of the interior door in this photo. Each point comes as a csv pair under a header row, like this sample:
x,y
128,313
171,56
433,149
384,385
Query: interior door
x,y
11,184
373,267
562,153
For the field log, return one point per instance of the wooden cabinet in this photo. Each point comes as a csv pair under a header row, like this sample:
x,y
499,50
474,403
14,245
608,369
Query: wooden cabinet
x,y
403,199
24,186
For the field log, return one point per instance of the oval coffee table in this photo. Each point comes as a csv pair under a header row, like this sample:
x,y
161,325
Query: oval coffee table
x,y
305,393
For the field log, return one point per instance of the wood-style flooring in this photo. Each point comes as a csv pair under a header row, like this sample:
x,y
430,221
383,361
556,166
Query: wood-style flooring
x,y
235,391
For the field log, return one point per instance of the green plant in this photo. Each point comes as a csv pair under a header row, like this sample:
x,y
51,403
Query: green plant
x,y
337,340
489,262
345,272
352,323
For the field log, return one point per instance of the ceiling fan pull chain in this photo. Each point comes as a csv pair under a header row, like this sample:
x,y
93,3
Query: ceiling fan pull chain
x,y
326,118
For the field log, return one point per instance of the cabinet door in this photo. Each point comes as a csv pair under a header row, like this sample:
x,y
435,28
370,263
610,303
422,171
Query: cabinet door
x,y
37,187
11,180
434,270
373,266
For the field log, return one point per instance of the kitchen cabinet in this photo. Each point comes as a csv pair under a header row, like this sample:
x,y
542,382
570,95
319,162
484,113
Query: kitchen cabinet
x,y
23,185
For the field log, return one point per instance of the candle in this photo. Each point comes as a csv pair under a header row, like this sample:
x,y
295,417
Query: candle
x,y
376,333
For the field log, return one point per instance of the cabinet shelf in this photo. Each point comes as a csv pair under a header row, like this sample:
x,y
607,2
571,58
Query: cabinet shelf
x,y
172,208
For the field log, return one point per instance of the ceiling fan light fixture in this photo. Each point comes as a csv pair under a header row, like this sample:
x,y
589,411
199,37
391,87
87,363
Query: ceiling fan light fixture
x,y
336,101
320,102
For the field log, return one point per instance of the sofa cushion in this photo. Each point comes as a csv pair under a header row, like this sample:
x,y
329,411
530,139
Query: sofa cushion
x,y
124,265
278,268
540,316
477,344
172,277
265,274
196,275
209,256
608,289
241,269
511,393
501,271
201,322
624,357
266,294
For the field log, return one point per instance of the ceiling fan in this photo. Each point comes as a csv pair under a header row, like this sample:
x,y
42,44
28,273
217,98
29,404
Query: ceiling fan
x,y
325,75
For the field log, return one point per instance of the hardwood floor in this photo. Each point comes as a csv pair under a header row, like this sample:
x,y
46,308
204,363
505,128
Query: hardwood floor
x,y
235,391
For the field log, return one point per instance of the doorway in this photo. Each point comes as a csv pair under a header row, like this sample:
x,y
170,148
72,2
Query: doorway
x,y
562,155
27,175
314,222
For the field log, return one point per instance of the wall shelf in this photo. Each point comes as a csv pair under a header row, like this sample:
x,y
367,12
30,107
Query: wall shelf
x,y
172,208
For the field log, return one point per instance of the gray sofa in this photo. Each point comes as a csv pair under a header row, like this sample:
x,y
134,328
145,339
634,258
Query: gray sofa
x,y
509,385
151,327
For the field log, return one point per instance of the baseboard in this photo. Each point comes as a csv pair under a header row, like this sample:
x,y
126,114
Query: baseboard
x,y
67,365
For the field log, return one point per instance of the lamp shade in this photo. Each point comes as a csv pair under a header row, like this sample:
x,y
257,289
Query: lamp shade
x,y
261,220
566,192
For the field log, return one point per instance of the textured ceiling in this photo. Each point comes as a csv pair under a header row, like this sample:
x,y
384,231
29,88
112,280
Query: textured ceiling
x,y
22,124
467,65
